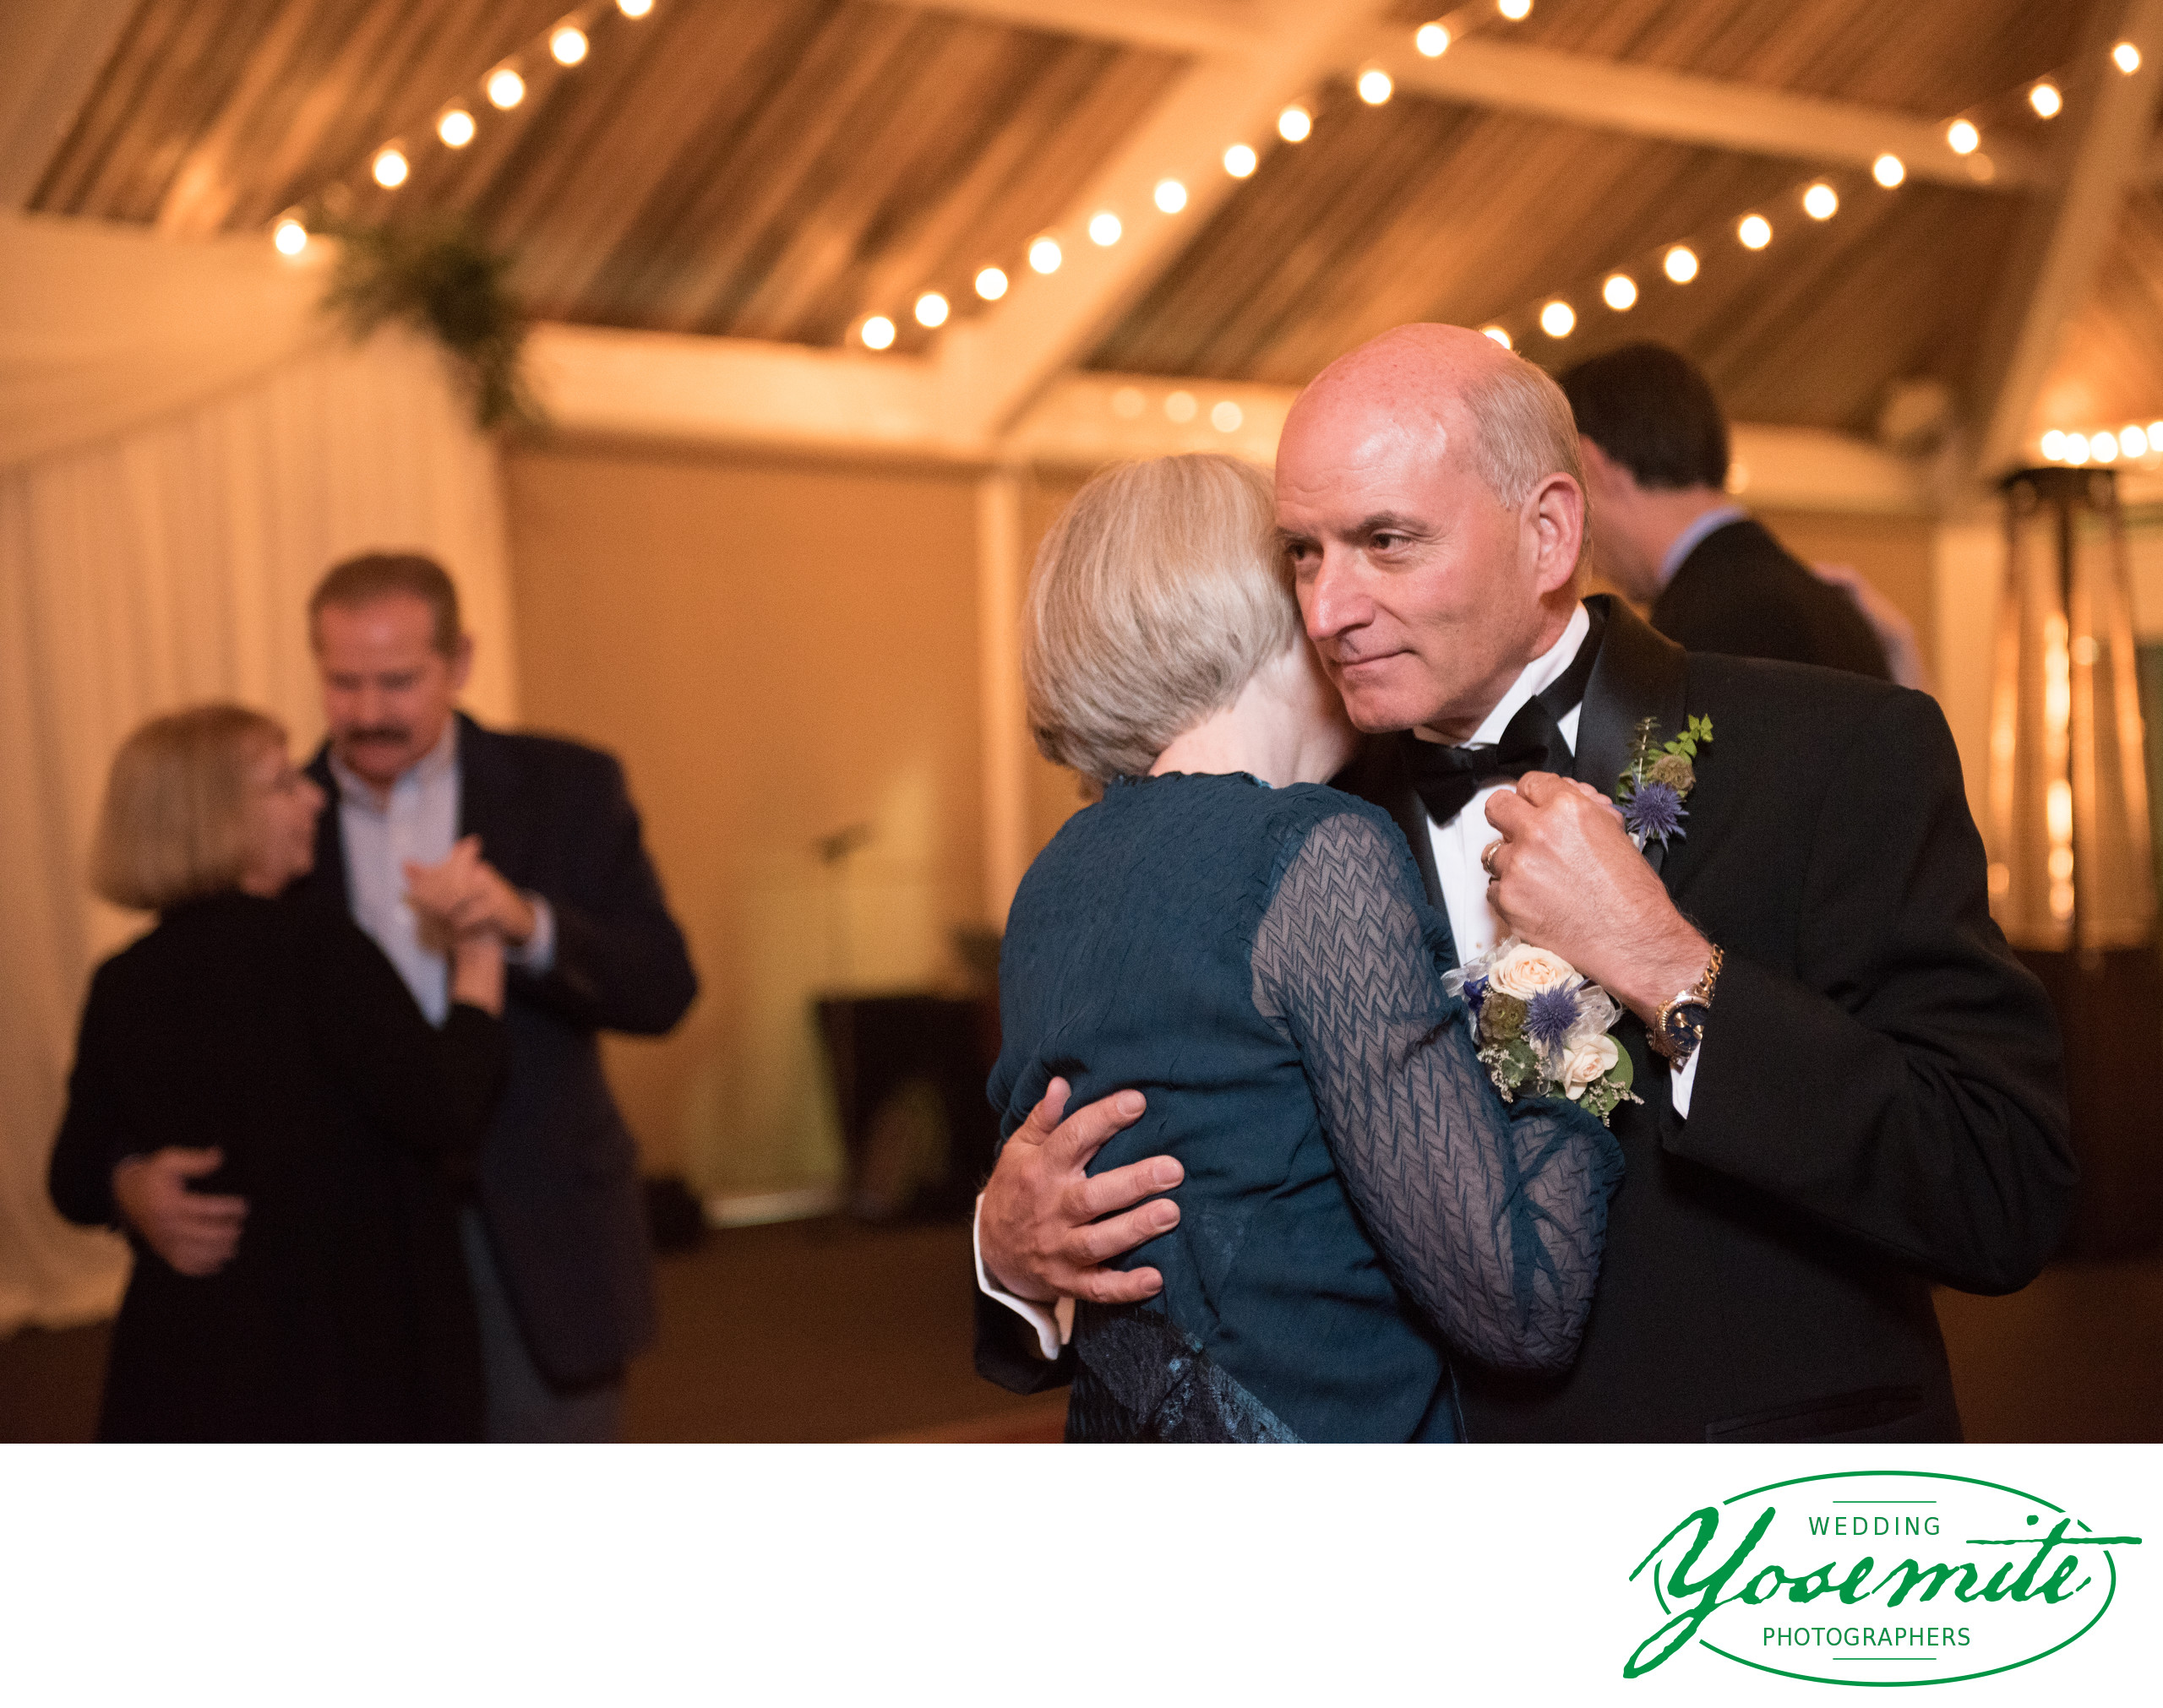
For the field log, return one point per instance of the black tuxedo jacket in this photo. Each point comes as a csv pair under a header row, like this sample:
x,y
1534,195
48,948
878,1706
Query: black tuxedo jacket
x,y
1879,1104
1741,592
558,1177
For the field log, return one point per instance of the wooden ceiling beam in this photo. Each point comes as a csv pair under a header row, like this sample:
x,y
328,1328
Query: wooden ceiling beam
x,y
993,365
1204,27
2047,279
1646,100
50,58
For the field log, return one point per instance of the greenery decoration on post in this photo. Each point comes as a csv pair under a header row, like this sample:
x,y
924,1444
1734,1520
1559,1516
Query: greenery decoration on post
x,y
439,277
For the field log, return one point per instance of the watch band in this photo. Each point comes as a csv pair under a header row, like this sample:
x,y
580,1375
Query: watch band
x,y
1699,995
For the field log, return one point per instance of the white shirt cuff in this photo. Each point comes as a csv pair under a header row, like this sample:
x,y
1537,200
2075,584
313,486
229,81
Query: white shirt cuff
x,y
537,953
1680,1080
1053,1323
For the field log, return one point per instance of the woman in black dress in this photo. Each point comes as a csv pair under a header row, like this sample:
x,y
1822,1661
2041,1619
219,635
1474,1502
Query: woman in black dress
x,y
279,1043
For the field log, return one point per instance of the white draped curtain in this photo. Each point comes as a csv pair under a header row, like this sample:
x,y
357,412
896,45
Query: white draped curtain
x,y
183,448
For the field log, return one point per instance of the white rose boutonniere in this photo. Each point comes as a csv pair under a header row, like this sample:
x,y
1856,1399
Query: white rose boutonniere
x,y
1541,1028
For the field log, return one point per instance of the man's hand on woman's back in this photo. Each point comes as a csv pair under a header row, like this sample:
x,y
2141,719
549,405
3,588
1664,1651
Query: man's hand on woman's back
x,y
1046,1230
197,1233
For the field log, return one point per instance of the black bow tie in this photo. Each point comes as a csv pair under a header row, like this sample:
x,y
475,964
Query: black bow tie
x,y
1447,778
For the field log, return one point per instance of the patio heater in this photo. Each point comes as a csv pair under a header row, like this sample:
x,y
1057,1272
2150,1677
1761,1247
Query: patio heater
x,y
2071,876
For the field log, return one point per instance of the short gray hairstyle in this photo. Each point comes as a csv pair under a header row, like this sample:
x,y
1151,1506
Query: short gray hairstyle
x,y
1523,431
1157,596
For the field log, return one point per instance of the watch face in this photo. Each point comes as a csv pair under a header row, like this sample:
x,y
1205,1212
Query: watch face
x,y
1684,1027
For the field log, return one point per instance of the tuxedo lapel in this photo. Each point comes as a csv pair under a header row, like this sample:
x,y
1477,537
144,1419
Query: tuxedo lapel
x,y
1639,674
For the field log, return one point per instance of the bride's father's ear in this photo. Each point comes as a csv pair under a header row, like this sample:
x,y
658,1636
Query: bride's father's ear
x,y
1046,1230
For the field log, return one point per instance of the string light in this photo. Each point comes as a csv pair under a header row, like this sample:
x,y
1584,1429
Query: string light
x,y
635,9
2126,57
2047,101
1755,231
1558,319
1170,195
1498,334
1240,160
2076,448
291,236
1516,11
2053,445
1821,201
931,309
506,89
877,332
1045,255
1620,293
2132,442
1295,124
1375,86
1179,408
1104,229
1888,171
1962,138
389,169
1432,40
1681,263
991,284
568,45
2103,447
456,127
1226,416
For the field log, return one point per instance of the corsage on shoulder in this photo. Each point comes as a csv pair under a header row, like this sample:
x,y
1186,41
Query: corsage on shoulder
x,y
1541,1028
1658,780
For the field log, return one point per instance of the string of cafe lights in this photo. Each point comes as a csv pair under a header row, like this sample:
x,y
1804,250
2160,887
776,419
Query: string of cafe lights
x,y
1680,261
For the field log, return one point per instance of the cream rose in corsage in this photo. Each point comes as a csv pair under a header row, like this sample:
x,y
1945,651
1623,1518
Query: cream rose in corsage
x,y
1542,1028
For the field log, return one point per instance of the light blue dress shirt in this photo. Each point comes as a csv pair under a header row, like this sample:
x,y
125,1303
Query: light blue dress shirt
x,y
418,821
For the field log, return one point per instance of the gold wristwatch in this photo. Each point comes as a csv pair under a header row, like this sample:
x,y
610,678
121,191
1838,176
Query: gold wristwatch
x,y
1679,1026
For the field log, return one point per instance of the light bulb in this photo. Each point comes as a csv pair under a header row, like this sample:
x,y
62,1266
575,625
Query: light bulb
x,y
1821,202
991,284
2132,442
634,8
877,332
931,309
2076,448
1431,40
568,45
1888,171
1295,124
1681,263
1558,319
1240,160
506,89
2053,445
2103,448
1104,229
1045,255
1755,231
1962,138
2047,101
1497,334
1375,87
391,169
1180,407
456,127
1620,293
1170,195
1516,11
1226,416
291,236
2126,57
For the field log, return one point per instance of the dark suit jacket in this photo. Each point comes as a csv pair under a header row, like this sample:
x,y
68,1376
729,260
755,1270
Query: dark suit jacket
x,y
559,1178
1741,592
1880,1103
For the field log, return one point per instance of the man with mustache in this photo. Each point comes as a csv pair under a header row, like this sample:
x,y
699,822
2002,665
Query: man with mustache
x,y
437,816
1851,1087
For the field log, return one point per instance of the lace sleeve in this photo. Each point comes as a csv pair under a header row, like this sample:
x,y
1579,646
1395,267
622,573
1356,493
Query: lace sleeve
x,y
1489,1216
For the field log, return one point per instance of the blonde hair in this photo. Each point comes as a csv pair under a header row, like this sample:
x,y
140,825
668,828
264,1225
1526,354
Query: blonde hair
x,y
1157,596
174,825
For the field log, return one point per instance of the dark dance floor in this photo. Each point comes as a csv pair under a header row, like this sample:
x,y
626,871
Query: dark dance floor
x,y
829,1331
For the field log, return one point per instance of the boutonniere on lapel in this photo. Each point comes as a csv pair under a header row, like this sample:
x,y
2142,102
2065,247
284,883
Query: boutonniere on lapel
x,y
1659,779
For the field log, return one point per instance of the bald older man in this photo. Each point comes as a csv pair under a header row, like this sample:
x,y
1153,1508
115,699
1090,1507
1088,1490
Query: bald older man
x,y
1851,1088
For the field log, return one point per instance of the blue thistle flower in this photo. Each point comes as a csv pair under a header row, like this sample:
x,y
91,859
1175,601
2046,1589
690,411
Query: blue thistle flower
x,y
1653,812
1549,1017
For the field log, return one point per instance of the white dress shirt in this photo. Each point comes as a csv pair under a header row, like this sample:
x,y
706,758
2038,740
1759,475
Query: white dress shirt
x,y
418,821
1457,844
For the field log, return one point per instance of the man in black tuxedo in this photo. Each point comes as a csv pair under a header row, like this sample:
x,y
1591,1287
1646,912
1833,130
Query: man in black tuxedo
x,y
1856,1090
1656,458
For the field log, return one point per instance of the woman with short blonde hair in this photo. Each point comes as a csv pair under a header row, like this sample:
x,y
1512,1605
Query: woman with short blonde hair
x,y
267,1056
1253,949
